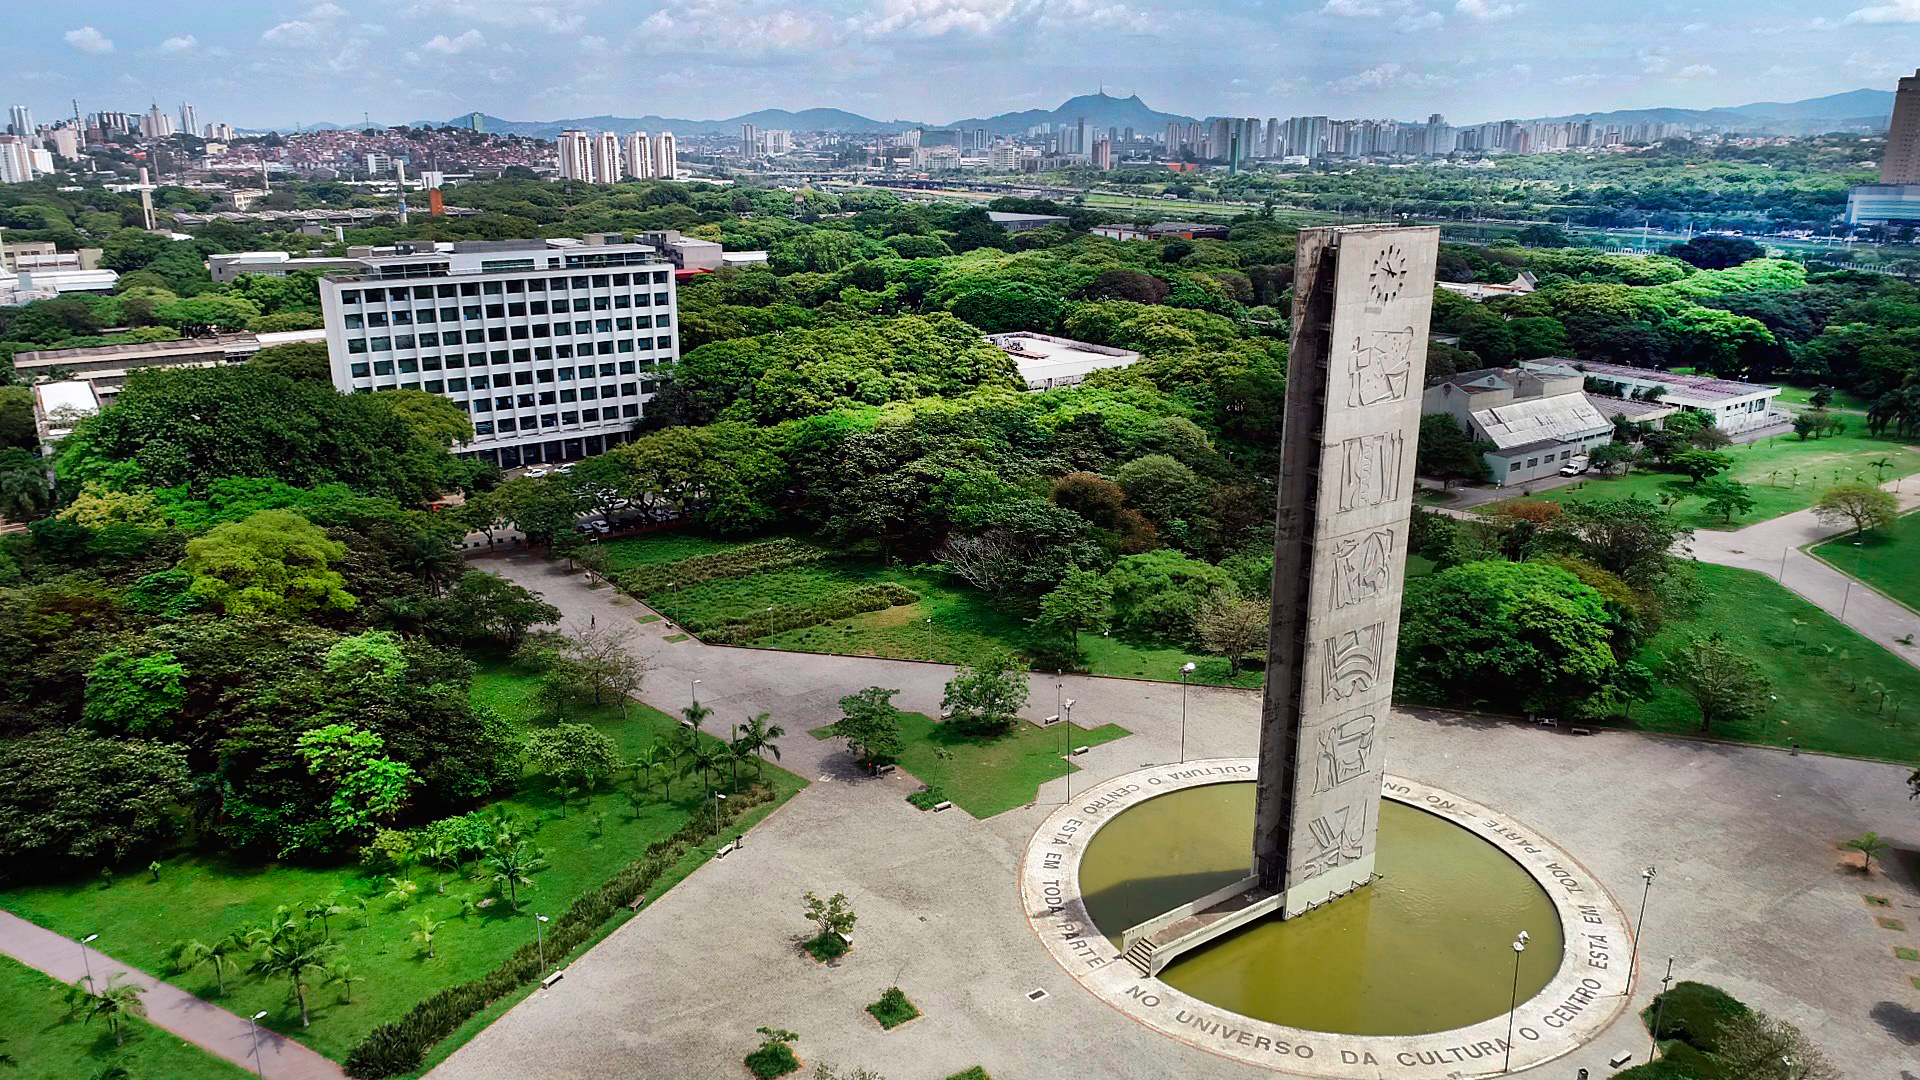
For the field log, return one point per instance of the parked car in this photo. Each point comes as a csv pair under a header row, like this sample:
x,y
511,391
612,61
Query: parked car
x,y
537,473
1576,465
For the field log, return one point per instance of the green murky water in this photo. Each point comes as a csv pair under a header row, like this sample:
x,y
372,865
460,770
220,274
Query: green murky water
x,y
1427,947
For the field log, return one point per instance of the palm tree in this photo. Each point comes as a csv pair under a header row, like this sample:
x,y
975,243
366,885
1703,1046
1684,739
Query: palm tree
x,y
402,890
508,831
1880,468
759,734
114,1003
1869,845
344,974
325,910
736,752
444,856
293,951
656,758
515,868
696,713
423,930
705,756
191,954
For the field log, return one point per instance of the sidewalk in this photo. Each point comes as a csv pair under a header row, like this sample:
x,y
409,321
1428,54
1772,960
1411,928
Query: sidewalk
x,y
169,1008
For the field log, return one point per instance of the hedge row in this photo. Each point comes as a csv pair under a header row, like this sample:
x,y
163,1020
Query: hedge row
x,y
401,1046
731,563
852,602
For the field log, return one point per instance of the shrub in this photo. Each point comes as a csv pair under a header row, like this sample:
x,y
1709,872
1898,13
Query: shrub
x,y
1693,1013
893,1008
928,799
774,1058
826,946
852,602
973,1072
731,563
1664,1069
401,1045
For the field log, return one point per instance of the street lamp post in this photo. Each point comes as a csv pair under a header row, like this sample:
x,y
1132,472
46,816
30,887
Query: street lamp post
x,y
1066,708
1513,1003
693,693
253,1031
1633,959
929,637
1186,669
718,798
86,964
1660,1005
540,940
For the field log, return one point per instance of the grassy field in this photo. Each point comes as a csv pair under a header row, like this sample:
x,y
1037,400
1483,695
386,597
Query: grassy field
x,y
1844,401
43,1043
967,623
1767,468
1888,560
1823,700
985,777
138,919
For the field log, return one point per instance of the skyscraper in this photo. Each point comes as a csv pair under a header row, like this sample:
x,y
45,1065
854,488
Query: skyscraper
x,y
748,148
666,157
20,120
1902,163
156,124
576,155
640,156
606,158
189,120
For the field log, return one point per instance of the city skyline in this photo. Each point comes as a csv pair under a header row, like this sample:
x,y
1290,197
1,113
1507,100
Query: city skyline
x,y
286,64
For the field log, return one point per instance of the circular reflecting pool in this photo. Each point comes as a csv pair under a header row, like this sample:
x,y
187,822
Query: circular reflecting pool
x,y
1427,947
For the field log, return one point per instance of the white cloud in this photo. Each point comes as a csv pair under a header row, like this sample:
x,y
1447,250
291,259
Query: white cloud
x,y
1693,28
931,18
293,32
1487,9
1699,71
1654,61
1353,9
323,12
1899,11
1591,78
1413,24
179,43
89,40
1874,66
1380,76
441,43
515,13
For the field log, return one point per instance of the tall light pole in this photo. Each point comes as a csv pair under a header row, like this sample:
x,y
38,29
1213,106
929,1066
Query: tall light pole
x,y
718,798
540,940
1659,1006
253,1030
1186,670
929,637
86,964
1513,1003
1633,959
693,693
1066,708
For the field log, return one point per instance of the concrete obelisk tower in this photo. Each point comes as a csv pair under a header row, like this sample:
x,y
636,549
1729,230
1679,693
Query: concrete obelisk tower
x,y
1362,297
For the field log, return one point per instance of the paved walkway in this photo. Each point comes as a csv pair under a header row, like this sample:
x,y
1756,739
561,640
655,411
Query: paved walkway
x,y
1752,895
169,1008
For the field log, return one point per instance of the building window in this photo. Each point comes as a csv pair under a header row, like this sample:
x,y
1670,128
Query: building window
x,y
563,352
483,427
629,410
429,363
383,367
538,307
569,417
1513,467
433,386
456,386
644,322
357,345
661,320
355,322
409,365
380,344
601,303
443,290
549,420
496,311
359,370
623,301
496,333
429,341
449,314
455,360
586,393
425,315
376,318
583,327
547,398
350,296
589,415
506,423
1532,462
664,343
403,341
479,382
403,318
476,337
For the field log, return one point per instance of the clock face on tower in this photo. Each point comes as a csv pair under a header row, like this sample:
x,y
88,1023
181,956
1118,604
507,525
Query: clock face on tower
x,y
1389,273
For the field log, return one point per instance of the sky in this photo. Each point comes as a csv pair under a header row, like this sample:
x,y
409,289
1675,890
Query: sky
x,y
276,63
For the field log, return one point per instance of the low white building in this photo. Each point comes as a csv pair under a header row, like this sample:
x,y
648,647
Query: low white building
x,y
1732,406
1479,290
58,406
1048,363
1537,421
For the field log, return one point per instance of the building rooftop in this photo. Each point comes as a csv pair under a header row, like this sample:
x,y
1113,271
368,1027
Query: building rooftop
x,y
1045,360
1627,407
135,349
1002,218
1563,417
1697,387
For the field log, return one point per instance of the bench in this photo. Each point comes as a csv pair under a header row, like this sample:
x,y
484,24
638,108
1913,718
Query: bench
x,y
882,770
547,983
939,806
1078,750
1580,730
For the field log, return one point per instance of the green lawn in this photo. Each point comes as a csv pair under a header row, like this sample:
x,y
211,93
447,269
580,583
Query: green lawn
x,y
1888,560
985,777
1767,468
1822,700
42,1043
1844,401
138,919
629,552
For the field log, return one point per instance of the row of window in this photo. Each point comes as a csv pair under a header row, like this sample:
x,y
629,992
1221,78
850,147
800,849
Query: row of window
x,y
358,346
498,288
547,420
517,309
479,360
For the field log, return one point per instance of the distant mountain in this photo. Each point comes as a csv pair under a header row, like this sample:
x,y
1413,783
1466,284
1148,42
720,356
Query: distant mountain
x,y
1852,110
1099,111
1834,106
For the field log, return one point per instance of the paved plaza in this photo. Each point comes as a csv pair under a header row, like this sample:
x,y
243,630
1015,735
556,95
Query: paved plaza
x,y
1752,892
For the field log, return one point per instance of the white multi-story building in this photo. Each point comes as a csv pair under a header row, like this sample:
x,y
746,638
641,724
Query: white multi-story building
x,y
550,346
156,124
189,120
20,119
606,158
16,166
66,142
639,156
576,155
41,159
666,157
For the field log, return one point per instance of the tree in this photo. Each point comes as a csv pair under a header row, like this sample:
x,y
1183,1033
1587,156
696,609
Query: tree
x,y
870,723
1448,452
572,755
24,491
591,662
486,606
134,695
1700,464
188,955
1757,1045
113,1003
986,696
1232,627
757,736
513,869
1725,497
1165,490
1547,236
1522,636
1864,506
1870,846
1632,537
294,951
363,784
301,361
424,929
274,562
1081,602
833,915
1710,251
67,797
18,429
1727,686
656,758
